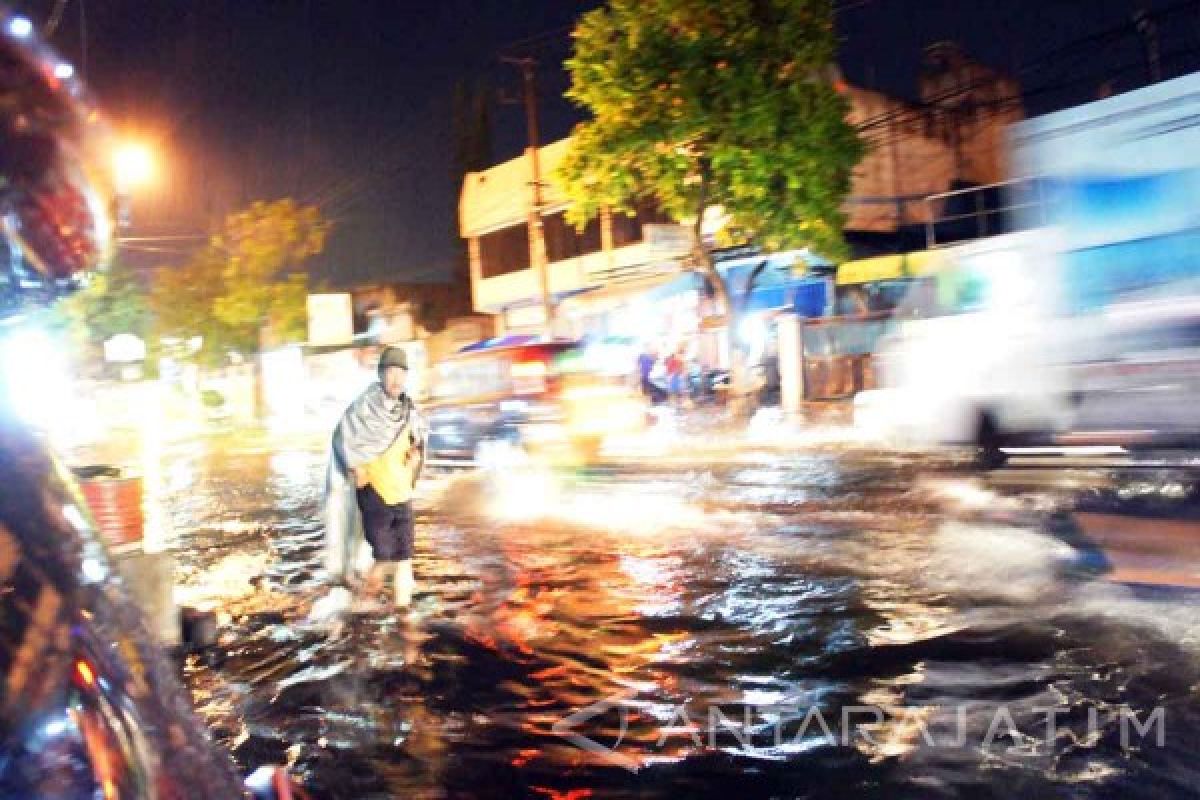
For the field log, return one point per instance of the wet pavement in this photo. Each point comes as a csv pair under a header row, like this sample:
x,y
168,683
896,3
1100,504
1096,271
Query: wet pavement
x,y
825,621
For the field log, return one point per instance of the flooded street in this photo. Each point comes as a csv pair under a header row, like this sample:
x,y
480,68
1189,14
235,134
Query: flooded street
x,y
828,622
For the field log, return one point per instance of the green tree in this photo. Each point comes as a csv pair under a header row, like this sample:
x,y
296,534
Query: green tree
x,y
249,277
182,299
113,302
704,105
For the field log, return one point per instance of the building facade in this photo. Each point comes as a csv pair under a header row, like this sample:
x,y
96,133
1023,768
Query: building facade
x,y
610,251
955,134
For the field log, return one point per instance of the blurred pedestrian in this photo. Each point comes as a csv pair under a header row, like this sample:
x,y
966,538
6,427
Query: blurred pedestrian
x,y
646,363
675,376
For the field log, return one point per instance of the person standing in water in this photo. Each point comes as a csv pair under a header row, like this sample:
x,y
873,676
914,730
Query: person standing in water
x,y
378,451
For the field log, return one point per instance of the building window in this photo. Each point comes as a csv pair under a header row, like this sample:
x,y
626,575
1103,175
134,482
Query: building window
x,y
507,249
563,241
504,251
628,230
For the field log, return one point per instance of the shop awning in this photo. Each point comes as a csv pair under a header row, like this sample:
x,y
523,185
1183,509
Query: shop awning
x,y
683,282
806,296
510,340
766,298
890,267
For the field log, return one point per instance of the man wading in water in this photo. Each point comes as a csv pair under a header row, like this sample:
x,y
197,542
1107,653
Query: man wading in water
x,y
377,452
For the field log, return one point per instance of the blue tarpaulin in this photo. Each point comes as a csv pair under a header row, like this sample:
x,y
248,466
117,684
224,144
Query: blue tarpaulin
x,y
811,297
807,296
763,298
687,281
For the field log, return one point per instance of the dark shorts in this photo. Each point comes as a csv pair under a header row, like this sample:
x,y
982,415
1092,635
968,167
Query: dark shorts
x,y
389,529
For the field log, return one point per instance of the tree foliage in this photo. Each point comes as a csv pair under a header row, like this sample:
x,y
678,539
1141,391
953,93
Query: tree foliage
x,y
182,300
704,104
701,103
249,276
113,302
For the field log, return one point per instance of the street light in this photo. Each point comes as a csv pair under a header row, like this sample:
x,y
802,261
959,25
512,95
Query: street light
x,y
20,27
133,165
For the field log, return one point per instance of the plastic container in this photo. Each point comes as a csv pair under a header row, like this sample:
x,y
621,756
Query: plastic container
x,y
115,500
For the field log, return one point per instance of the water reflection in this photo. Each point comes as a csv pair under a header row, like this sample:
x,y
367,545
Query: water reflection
x,y
762,598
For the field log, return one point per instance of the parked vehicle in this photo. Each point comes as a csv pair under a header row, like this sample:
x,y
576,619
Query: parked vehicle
x,y
540,397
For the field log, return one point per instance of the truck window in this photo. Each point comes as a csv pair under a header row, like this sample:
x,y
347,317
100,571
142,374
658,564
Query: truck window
x,y
961,290
953,290
1162,339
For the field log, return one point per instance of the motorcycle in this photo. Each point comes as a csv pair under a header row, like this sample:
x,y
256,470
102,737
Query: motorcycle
x,y
90,704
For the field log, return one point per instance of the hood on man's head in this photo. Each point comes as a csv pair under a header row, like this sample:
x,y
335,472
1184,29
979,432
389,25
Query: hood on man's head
x,y
393,357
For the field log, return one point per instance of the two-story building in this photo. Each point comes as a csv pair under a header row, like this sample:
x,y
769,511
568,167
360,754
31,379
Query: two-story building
x,y
622,274
610,252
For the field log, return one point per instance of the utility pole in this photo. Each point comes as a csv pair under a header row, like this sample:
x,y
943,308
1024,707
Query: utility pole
x,y
537,234
1149,33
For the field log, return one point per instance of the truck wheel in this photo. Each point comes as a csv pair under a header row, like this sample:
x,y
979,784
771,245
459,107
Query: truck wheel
x,y
988,455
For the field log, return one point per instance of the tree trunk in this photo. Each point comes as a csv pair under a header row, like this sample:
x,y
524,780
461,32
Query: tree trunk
x,y
741,400
748,400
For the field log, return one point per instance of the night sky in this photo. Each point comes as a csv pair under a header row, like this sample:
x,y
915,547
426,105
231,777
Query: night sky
x,y
349,104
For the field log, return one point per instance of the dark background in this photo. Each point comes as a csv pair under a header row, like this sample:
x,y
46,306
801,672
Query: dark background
x,y
351,104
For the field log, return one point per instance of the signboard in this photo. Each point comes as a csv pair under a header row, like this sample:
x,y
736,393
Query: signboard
x,y
393,325
124,348
330,319
667,239
723,254
890,267
465,331
524,318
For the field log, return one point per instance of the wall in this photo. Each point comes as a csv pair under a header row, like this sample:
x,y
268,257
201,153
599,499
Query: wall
x,y
459,332
431,303
970,106
901,162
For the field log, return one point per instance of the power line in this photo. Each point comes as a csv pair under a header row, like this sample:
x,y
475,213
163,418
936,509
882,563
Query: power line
x,y
351,184
556,35
850,5
1093,77
344,192
1103,36
537,40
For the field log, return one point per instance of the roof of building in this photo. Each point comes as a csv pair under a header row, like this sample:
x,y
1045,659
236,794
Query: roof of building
x,y
487,200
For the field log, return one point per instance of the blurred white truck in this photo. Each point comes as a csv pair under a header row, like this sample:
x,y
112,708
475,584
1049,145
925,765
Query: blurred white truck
x,y
1083,328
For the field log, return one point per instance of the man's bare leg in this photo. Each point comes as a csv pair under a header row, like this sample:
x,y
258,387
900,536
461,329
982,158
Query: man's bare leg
x,y
404,583
375,580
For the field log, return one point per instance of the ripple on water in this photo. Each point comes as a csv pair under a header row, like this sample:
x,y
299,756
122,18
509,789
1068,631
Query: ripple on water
x,y
769,594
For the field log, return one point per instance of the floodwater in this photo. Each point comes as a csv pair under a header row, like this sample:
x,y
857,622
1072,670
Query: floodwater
x,y
823,623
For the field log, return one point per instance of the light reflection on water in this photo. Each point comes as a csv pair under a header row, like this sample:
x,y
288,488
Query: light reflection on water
x,y
696,591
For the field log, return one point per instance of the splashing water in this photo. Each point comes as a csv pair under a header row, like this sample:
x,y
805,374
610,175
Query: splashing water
x,y
645,600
